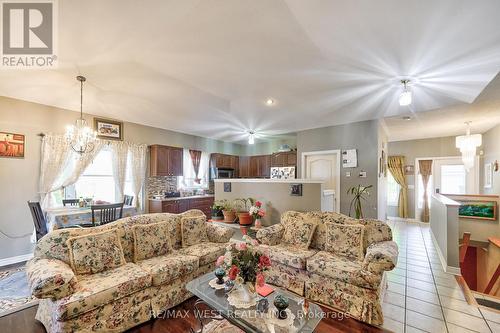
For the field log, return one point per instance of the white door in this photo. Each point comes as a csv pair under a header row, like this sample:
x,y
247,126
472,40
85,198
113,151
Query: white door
x,y
325,166
450,177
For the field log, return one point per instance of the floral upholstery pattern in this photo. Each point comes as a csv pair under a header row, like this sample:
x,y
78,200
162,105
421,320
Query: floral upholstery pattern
x,y
382,256
345,239
193,230
287,277
95,253
168,268
288,255
95,290
151,240
270,235
299,232
376,231
343,269
50,278
218,234
206,252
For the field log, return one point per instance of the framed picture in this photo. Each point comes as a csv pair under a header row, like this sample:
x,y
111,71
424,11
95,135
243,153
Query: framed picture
x,y
409,170
296,190
11,145
483,210
488,175
108,129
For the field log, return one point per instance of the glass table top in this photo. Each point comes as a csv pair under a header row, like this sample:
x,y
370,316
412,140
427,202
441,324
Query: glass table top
x,y
251,320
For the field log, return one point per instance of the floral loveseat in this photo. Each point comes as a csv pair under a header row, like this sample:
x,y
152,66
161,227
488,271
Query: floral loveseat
x,y
332,259
143,271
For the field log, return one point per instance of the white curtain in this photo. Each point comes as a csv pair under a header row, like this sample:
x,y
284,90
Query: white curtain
x,y
188,170
119,162
138,171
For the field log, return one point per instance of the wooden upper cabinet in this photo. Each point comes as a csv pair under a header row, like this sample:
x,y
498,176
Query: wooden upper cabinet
x,y
284,159
291,158
224,161
165,161
244,167
260,166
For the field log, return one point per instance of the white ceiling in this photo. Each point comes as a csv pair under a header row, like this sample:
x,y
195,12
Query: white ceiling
x,y
206,67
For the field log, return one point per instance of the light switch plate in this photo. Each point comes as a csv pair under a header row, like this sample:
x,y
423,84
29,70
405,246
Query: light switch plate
x,y
348,174
362,174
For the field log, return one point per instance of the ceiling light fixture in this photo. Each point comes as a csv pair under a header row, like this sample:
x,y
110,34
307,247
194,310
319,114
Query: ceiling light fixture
x,y
405,97
467,144
251,138
80,136
269,101
406,118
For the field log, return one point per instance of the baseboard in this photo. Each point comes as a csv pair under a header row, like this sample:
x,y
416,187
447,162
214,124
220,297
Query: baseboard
x,y
446,268
15,260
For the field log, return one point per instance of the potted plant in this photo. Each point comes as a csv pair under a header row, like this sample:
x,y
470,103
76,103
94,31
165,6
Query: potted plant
x,y
359,192
217,214
228,211
257,212
243,213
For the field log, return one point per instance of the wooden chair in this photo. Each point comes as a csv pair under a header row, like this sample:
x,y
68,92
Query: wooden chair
x,y
38,219
128,200
71,202
107,213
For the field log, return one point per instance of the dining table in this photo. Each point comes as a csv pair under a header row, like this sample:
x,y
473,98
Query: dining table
x,y
71,216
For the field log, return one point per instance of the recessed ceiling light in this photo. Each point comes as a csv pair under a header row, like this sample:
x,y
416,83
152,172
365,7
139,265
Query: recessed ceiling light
x,y
407,118
269,101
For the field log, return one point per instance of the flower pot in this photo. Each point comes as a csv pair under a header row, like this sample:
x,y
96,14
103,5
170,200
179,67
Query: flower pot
x,y
258,223
217,214
229,216
245,218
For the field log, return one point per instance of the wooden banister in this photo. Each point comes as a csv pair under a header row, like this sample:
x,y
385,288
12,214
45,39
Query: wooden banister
x,y
464,246
493,280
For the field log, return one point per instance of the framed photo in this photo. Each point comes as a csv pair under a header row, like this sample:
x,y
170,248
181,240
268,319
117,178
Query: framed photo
x,y
108,129
409,170
488,175
11,145
483,210
296,190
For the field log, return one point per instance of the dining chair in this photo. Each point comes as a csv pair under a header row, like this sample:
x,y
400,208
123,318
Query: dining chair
x,y
71,202
38,219
128,200
106,213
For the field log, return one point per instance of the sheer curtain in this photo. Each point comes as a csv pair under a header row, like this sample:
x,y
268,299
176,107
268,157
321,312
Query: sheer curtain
x,y
138,168
119,162
189,174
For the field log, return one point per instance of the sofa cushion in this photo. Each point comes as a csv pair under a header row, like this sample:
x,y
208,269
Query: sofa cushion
x,y
345,239
167,268
96,252
343,269
299,232
206,252
288,255
193,230
151,240
95,290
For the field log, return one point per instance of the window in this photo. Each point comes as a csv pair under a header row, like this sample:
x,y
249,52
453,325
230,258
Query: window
x,y
392,190
421,190
453,179
187,181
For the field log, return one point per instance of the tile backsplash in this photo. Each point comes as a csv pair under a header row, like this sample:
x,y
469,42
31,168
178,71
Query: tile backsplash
x,y
162,184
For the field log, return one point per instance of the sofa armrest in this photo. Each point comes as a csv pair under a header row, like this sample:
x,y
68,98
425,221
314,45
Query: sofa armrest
x,y
381,256
218,234
270,235
50,278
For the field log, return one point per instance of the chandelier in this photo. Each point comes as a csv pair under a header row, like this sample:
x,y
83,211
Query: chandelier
x,y
467,144
80,136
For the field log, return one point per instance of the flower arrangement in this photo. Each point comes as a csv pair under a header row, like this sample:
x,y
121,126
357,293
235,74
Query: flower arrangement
x,y
244,262
257,211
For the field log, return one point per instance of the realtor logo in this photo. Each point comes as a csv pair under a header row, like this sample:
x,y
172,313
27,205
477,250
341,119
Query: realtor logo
x,y
28,34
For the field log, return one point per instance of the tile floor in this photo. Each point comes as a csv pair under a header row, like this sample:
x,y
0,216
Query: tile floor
x,y
421,297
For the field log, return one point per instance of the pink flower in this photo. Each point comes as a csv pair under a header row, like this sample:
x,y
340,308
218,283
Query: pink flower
x,y
220,261
260,280
233,272
261,213
242,246
264,261
258,204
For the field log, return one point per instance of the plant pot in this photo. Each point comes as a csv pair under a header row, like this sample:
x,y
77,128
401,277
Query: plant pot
x,y
245,218
217,214
229,216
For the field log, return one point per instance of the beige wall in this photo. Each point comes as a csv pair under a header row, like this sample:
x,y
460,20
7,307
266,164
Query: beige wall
x,y
491,150
270,146
19,177
275,197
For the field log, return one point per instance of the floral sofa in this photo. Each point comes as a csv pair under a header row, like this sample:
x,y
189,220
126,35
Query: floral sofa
x,y
81,292
341,265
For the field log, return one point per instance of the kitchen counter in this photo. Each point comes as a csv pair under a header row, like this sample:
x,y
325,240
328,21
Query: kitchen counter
x,y
182,198
268,180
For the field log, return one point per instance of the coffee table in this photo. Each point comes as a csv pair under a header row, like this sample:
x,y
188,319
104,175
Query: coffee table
x,y
249,319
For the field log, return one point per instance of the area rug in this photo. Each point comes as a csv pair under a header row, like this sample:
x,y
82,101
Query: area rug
x,y
221,326
14,291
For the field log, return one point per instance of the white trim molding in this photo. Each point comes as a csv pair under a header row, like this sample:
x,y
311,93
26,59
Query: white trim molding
x,y
16,259
446,268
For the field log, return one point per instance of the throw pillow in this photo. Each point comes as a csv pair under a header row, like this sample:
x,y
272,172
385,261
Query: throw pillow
x,y
345,239
151,240
95,253
193,230
299,232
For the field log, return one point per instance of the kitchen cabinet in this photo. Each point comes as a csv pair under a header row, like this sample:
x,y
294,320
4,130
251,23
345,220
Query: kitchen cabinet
x,y
244,167
260,166
165,161
284,159
180,205
224,161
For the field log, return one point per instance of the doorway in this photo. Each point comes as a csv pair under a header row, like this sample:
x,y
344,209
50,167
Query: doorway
x,y
324,165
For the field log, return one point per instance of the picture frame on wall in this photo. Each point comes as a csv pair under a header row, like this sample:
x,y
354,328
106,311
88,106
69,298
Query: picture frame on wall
x,y
481,210
409,170
12,145
488,175
108,129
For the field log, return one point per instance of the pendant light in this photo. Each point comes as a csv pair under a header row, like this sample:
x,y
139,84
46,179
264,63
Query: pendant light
x,y
405,97
467,144
251,138
80,136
